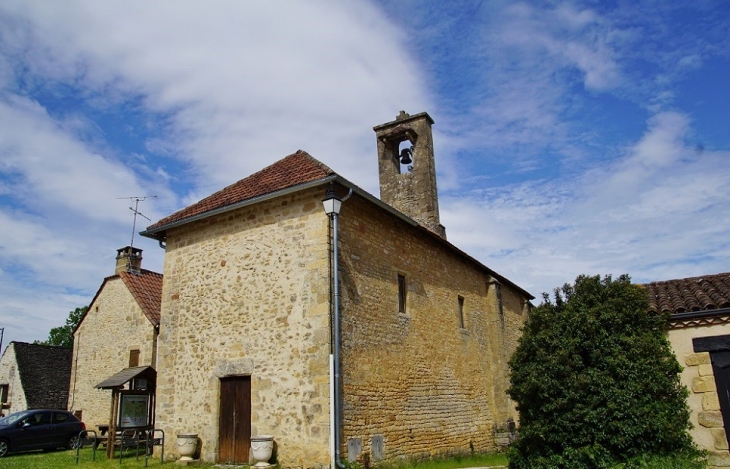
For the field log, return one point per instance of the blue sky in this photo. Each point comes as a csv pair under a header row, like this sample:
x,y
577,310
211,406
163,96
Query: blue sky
x,y
571,137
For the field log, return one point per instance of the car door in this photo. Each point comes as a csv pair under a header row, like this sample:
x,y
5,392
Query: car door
x,y
62,428
33,430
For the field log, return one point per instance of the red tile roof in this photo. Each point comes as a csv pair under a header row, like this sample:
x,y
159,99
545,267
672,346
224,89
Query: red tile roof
x,y
146,287
684,295
295,169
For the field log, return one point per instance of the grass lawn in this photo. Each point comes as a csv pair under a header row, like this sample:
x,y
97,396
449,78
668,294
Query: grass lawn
x,y
67,459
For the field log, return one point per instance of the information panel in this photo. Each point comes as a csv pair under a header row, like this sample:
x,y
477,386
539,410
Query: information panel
x,y
133,410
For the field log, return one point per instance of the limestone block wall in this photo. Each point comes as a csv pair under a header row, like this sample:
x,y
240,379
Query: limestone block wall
x,y
416,384
9,375
113,325
707,422
247,293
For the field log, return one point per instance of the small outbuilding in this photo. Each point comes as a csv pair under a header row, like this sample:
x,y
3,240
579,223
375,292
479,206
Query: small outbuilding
x,y
34,376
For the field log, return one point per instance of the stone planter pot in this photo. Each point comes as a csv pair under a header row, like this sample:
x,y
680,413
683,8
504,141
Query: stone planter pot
x,y
187,443
262,447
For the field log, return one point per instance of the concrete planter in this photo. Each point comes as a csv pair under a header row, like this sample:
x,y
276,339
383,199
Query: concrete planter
x,y
187,443
263,447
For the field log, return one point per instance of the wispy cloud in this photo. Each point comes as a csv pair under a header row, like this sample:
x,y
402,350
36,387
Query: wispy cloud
x,y
652,212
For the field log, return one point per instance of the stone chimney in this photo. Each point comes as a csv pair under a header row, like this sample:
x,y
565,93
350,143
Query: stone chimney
x,y
129,259
408,170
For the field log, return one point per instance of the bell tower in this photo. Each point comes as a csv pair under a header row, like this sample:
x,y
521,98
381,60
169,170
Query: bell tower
x,y
408,170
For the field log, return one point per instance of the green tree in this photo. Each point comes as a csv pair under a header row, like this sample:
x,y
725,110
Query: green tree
x,y
63,336
596,381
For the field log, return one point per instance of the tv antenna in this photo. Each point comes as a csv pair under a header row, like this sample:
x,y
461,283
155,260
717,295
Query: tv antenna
x,y
136,212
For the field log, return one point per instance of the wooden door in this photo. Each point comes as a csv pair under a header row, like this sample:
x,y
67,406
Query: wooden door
x,y
721,368
234,427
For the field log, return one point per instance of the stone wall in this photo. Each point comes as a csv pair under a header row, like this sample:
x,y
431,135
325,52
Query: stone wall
x,y
246,293
707,422
9,375
416,384
113,326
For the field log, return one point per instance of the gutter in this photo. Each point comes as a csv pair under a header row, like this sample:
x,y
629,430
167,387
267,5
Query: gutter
x,y
699,314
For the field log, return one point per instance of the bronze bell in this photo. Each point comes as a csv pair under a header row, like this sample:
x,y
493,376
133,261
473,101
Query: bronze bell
x,y
405,156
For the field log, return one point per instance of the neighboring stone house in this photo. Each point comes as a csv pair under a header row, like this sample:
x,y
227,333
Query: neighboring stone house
x,y
699,331
245,333
34,376
118,331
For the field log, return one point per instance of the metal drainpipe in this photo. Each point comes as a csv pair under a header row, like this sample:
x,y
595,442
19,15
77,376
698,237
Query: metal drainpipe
x,y
336,332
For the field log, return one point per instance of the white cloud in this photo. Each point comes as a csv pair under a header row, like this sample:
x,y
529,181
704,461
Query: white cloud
x,y
234,81
569,37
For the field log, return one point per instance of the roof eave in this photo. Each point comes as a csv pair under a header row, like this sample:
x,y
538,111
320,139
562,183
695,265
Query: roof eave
x,y
699,314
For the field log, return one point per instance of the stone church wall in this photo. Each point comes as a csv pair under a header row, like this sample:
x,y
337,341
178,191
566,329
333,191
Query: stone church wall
x,y
247,293
416,384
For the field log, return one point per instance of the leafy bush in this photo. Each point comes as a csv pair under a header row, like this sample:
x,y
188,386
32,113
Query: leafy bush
x,y
596,381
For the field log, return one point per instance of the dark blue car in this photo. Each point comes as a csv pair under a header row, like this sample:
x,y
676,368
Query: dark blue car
x,y
39,429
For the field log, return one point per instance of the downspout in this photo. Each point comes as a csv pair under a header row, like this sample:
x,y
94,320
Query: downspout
x,y
337,395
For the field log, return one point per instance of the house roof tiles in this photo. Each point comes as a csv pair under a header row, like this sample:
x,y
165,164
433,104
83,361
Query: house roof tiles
x,y
704,293
293,170
146,287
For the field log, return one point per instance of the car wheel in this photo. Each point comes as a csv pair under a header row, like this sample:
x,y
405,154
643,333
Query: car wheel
x,y
4,447
73,442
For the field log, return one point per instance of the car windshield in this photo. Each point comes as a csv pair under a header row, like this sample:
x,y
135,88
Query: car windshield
x,y
12,418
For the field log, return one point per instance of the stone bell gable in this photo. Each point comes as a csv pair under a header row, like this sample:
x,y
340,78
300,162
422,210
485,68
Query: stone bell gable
x,y
407,168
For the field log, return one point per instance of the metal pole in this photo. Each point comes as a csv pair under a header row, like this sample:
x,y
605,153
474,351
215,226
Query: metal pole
x,y
2,333
336,351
